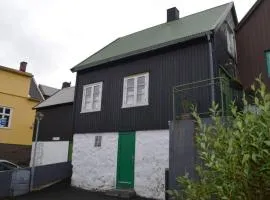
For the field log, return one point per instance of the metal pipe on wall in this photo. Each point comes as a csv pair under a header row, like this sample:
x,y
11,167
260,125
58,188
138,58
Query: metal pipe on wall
x,y
211,69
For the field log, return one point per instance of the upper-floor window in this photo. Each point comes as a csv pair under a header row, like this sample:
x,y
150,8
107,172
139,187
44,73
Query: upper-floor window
x,y
5,117
267,58
230,41
135,90
92,95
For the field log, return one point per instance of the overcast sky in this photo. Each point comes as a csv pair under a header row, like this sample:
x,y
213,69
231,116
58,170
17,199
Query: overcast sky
x,y
55,35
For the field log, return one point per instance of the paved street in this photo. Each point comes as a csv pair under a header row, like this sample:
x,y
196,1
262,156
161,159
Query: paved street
x,y
66,193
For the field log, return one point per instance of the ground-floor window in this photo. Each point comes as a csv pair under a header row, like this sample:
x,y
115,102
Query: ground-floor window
x,y
5,117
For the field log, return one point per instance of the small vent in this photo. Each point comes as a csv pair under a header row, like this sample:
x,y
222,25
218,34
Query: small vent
x,y
98,141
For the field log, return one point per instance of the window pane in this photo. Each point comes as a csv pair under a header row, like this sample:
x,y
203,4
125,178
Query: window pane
x,y
130,91
96,89
88,91
140,89
87,105
1,110
96,93
267,55
130,83
4,120
7,120
130,99
7,111
87,98
141,80
95,105
140,98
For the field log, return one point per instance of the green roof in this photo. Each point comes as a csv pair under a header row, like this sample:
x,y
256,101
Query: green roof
x,y
183,29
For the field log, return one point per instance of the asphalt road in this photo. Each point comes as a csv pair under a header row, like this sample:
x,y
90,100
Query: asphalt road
x,y
67,193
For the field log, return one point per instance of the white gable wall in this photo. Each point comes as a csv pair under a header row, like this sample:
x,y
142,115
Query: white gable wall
x,y
50,152
151,160
95,168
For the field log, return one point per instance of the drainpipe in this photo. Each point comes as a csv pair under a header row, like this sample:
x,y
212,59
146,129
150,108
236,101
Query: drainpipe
x,y
211,69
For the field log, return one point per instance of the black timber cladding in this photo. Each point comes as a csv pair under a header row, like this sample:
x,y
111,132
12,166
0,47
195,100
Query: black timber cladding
x,y
167,67
57,122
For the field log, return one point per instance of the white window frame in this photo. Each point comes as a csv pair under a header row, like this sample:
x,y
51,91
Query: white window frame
x,y
135,104
230,36
92,85
10,115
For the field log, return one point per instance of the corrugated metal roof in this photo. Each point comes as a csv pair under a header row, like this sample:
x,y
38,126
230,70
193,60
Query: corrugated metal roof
x,y
159,36
48,91
63,96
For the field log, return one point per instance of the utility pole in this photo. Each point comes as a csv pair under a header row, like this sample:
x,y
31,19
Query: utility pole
x,y
39,117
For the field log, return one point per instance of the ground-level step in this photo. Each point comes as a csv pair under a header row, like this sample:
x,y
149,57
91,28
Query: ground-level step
x,y
126,194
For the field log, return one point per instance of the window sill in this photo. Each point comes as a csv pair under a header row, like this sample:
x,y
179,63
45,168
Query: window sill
x,y
133,106
89,111
5,128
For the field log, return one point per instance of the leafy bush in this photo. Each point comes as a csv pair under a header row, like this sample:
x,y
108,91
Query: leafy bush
x,y
234,153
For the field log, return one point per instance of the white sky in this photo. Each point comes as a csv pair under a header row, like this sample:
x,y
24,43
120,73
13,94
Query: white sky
x,y
55,35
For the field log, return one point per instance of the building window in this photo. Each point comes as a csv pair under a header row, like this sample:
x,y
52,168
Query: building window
x,y
92,95
230,41
5,117
135,90
98,141
267,58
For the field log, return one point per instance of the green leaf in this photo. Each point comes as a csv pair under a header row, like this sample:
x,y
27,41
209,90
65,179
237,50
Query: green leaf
x,y
254,157
267,142
245,158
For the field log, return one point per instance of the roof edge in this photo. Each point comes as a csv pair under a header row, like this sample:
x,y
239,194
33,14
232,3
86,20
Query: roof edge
x,y
15,71
49,106
73,69
35,107
45,100
141,51
249,13
223,16
38,89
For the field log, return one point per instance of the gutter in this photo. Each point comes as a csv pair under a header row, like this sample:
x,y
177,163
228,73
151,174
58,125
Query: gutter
x,y
211,67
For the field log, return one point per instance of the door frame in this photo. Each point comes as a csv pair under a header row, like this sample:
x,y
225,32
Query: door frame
x,y
118,157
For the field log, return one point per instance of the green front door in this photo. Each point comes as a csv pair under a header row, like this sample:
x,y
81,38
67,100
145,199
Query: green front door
x,y
125,160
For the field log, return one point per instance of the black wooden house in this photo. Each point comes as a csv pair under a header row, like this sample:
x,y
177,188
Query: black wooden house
x,y
124,97
54,142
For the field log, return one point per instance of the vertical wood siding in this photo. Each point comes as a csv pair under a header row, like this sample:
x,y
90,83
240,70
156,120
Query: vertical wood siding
x,y
57,122
253,38
167,68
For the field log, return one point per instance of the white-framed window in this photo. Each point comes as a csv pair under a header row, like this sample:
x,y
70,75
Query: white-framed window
x,y
135,90
98,139
230,41
92,94
5,117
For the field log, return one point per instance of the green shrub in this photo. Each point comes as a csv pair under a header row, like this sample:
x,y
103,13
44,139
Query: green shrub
x,y
235,154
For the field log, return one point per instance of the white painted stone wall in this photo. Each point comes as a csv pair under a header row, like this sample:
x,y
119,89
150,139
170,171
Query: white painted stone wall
x,y
94,168
50,152
151,160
